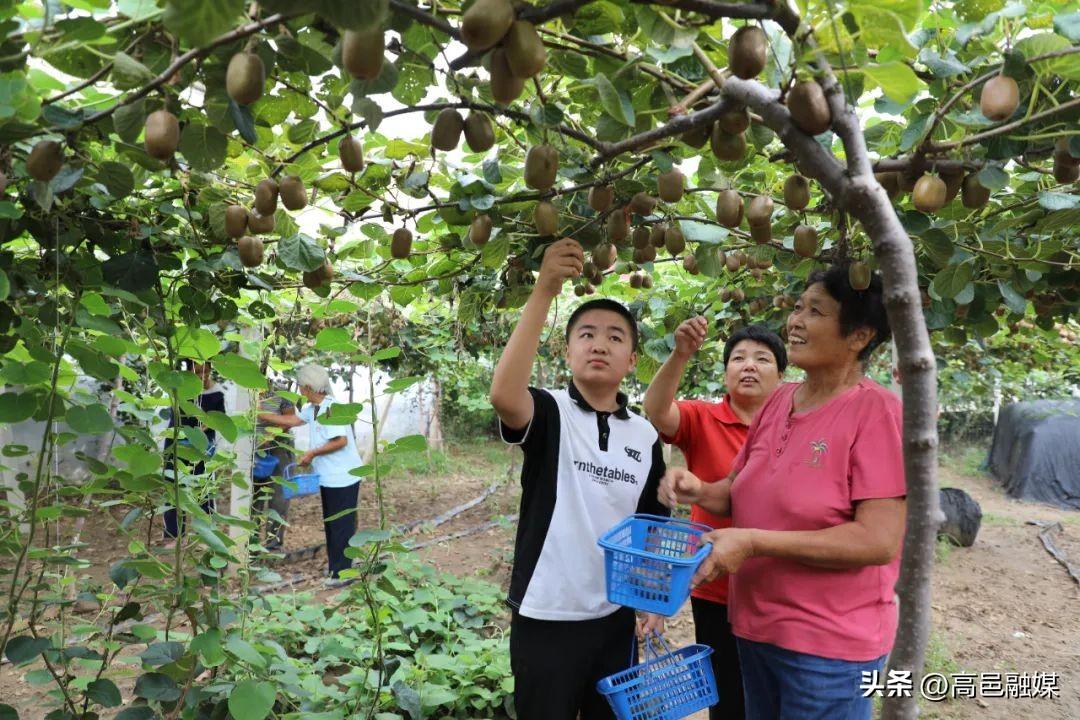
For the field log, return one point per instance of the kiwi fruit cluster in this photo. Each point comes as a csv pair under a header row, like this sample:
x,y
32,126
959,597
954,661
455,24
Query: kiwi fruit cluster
x,y
517,54
932,192
242,224
318,277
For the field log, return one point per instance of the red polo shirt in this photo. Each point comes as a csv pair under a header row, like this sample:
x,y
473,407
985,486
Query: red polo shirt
x,y
710,435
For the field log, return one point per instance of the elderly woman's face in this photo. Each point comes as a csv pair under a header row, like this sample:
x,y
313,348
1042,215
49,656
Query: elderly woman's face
x,y
813,329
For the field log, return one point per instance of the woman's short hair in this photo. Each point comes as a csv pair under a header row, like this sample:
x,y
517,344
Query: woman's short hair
x,y
759,334
858,308
316,378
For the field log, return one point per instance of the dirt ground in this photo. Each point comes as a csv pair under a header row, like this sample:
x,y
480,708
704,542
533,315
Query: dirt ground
x,y
1004,605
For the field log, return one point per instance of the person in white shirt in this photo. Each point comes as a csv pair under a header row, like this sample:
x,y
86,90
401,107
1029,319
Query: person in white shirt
x,y
333,456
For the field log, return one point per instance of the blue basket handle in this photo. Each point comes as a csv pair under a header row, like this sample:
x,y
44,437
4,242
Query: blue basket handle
x,y
655,637
287,472
661,518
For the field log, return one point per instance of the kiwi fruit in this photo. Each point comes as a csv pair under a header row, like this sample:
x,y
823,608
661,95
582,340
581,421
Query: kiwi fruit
x,y
601,197
635,280
546,218
640,237
266,195
669,186
401,244
646,281
505,86
579,290
908,179
1062,154
729,208
45,160
260,224
859,274
351,152
541,167
656,235
588,288
731,262
735,121
953,180
446,132
319,276
806,241
245,78
747,52
674,240
480,230
525,50
3,181
479,133
251,251
645,255
697,137
642,203
617,229
1065,172
761,234
588,269
759,211
890,181
973,194
689,263
726,146
236,220
604,256
929,194
292,193
808,107
1000,98
797,192
485,23
162,134
597,278
362,52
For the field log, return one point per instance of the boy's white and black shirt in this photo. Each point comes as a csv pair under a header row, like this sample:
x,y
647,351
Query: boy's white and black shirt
x,y
584,471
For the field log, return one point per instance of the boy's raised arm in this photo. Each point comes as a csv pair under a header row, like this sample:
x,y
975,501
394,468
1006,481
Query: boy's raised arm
x,y
510,384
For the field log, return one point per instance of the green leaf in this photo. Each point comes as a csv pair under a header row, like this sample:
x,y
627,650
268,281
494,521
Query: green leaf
x,y
245,651
25,648
992,177
1058,200
89,419
16,407
244,122
1016,302
886,23
223,424
123,574
493,255
128,73
138,459
408,700
615,102
203,146
251,700
336,340
18,100
197,22
8,713
161,653
1068,25
128,120
1067,66
133,271
208,647
196,343
103,692
117,179
138,712
898,81
951,281
300,252
241,370
157,686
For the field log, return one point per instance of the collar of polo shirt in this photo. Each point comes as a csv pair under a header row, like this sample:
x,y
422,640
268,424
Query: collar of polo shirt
x,y
621,399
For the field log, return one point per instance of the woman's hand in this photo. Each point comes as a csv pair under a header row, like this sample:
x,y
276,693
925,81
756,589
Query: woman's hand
x,y
731,547
679,485
306,458
649,623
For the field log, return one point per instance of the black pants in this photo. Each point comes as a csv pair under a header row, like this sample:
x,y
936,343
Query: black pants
x,y
335,501
556,664
712,628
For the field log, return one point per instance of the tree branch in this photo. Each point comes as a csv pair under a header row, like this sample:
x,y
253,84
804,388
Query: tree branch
x,y
424,18
1004,129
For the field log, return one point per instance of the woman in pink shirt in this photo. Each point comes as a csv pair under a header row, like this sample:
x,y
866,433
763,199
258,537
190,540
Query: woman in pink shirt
x,y
816,498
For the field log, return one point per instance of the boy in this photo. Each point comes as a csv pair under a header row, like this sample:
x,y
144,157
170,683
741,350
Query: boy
x,y
589,463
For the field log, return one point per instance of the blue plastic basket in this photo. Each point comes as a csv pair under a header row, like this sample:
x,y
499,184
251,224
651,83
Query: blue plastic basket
x,y
649,561
667,686
307,484
264,466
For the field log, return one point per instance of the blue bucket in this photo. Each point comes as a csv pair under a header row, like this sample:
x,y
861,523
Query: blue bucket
x,y
298,485
264,466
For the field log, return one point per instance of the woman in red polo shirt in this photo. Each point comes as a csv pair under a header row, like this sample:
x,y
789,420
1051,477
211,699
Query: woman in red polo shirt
x,y
710,435
817,501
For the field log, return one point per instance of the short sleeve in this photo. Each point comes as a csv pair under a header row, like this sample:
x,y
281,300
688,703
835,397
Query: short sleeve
x,y
689,424
331,431
649,502
877,453
305,413
545,411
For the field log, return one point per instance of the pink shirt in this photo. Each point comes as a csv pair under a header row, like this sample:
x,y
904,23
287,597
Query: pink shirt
x,y
806,471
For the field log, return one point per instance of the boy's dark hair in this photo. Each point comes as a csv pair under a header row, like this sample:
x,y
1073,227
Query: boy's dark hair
x,y
858,308
762,335
605,304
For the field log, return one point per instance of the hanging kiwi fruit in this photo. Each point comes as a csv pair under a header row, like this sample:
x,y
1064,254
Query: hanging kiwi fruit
x,y
546,218
480,230
635,280
485,23
260,224
1066,167
690,264
351,152
162,135
808,107
479,132
973,194
245,78
617,228
890,181
747,52
656,235
604,256
806,241
1000,98
401,244
734,121
505,86
601,197
236,220
541,167
646,281
642,204
645,255
525,50
362,52
446,132
729,208
727,146
640,237
266,196
292,193
250,250
318,277
929,193
670,185
45,160
760,211
696,137
674,240
953,180
859,274
796,192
